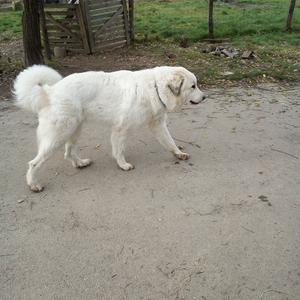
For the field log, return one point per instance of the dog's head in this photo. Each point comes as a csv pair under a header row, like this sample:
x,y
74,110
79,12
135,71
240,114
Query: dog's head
x,y
178,86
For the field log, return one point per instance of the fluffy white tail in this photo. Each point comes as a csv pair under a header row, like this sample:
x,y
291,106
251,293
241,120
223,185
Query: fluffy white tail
x,y
28,87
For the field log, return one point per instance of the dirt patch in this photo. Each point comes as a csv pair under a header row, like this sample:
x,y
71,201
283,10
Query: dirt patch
x,y
111,61
11,49
11,53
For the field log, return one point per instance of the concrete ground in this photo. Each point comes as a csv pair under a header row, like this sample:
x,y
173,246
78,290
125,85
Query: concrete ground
x,y
223,225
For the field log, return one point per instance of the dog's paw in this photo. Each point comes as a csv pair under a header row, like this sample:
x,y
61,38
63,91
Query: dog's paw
x,y
36,188
126,167
82,163
182,156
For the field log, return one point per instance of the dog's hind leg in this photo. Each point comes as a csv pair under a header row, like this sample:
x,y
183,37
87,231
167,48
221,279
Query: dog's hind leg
x,y
71,151
51,136
118,137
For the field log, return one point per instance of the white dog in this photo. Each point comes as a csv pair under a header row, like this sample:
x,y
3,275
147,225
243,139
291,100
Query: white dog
x,y
125,99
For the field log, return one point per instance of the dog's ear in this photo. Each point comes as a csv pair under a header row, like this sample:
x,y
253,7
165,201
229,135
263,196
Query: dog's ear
x,y
169,90
175,84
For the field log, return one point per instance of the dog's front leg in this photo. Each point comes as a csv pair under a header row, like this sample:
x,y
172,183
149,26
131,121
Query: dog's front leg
x,y
118,137
162,134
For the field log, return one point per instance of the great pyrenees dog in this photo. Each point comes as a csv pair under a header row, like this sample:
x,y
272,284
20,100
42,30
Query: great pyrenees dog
x,y
125,99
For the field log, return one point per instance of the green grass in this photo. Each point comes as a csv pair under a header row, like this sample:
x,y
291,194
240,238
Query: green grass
x,y
252,21
10,24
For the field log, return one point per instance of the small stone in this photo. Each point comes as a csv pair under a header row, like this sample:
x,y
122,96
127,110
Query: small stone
x,y
248,54
170,55
263,198
227,73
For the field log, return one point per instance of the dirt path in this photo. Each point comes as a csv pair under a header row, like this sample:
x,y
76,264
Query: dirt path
x,y
224,225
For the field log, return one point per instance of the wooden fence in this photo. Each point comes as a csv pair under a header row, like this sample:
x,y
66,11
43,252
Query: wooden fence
x,y
108,24
88,27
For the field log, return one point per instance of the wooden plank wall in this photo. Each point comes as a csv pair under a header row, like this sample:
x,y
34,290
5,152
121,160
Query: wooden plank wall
x,y
108,24
63,27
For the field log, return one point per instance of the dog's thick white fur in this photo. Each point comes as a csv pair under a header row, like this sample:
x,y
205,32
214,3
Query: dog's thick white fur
x,y
125,99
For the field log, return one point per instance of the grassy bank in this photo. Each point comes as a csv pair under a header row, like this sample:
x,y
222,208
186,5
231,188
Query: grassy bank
x,y
244,21
10,25
163,26
248,24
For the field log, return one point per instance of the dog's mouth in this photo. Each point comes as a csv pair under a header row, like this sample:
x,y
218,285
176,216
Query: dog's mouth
x,y
197,102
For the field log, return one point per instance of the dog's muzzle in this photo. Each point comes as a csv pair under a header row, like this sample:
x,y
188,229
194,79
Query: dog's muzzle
x,y
201,100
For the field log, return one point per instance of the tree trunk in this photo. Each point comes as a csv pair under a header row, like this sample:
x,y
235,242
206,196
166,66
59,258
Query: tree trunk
x,y
210,19
131,19
31,33
44,31
290,15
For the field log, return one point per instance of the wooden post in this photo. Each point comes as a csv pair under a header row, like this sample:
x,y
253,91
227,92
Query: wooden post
x,y
31,33
210,19
290,15
126,23
82,19
44,31
131,19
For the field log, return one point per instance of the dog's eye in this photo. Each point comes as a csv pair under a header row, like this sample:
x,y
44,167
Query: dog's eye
x,y
193,86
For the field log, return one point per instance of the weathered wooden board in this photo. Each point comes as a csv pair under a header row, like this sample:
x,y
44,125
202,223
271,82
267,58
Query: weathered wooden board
x,y
64,26
91,26
108,24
